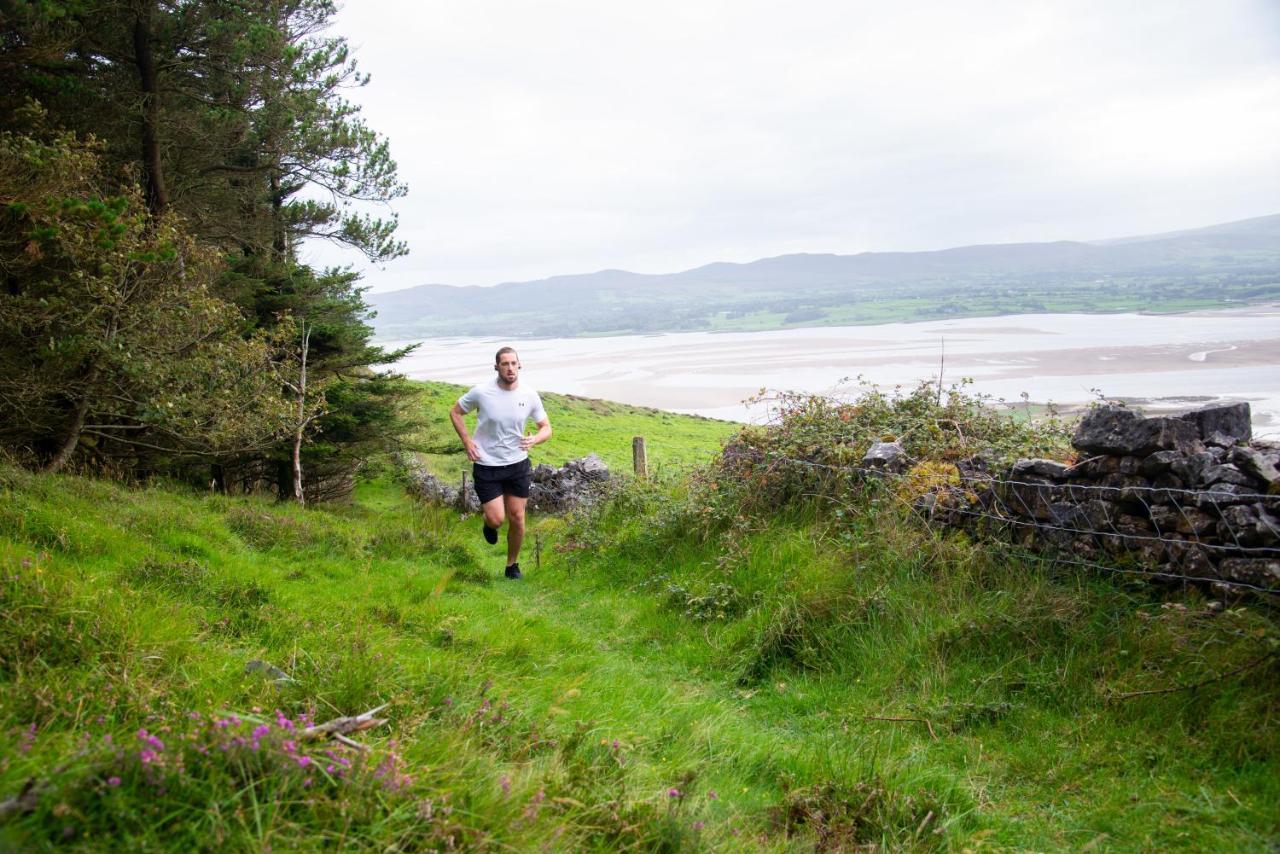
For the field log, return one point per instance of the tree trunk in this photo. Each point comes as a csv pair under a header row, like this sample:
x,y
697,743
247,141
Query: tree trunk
x,y
297,468
302,418
72,439
148,83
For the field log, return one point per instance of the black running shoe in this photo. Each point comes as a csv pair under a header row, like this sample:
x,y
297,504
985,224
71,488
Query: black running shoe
x,y
513,572
491,535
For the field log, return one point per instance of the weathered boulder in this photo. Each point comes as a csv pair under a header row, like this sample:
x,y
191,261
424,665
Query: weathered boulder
x,y
1248,525
1106,430
887,457
1223,424
1222,495
1190,468
1116,430
1224,473
1256,464
1260,572
1049,469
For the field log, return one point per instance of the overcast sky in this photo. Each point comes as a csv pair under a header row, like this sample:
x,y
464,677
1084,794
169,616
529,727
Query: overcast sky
x,y
571,136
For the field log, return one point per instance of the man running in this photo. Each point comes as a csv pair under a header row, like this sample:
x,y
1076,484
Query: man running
x,y
500,449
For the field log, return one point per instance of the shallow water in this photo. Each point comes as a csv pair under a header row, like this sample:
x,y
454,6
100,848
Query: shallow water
x,y
1068,359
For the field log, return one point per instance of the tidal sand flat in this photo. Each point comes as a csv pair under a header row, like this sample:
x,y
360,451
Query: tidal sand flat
x,y
1163,361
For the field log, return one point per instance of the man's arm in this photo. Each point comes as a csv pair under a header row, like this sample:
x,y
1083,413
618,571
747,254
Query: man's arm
x,y
543,434
456,415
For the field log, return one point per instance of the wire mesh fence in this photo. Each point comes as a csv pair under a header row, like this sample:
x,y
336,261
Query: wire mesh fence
x,y
1223,535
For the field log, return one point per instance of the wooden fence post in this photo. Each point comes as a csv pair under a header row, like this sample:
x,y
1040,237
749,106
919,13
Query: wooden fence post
x,y
639,459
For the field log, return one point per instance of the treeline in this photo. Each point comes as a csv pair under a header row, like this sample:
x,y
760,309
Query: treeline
x,y
161,162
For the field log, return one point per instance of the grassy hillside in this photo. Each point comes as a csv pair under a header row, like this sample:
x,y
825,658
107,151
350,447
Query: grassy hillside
x,y
677,675
580,426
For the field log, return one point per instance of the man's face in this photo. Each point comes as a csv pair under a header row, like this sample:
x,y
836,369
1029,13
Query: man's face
x,y
508,368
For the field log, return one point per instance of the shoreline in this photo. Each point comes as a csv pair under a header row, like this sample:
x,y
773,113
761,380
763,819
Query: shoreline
x,y
1160,362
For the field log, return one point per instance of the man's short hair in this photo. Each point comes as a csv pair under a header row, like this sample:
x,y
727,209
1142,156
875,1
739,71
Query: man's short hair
x,y
498,356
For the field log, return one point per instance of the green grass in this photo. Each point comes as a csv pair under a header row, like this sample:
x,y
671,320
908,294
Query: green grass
x,y
580,426
746,668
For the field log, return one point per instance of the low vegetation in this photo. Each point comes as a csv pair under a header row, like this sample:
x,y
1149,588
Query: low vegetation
x,y
711,660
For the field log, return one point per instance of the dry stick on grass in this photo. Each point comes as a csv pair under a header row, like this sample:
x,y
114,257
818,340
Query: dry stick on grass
x,y
339,728
932,734
1193,686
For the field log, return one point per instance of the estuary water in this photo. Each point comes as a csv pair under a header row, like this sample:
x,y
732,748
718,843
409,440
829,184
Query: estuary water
x,y
1158,362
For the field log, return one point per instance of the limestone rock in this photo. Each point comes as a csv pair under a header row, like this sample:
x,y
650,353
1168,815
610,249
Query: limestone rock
x,y
1260,572
888,457
1223,424
1191,467
1224,473
1258,465
576,483
1116,430
1050,469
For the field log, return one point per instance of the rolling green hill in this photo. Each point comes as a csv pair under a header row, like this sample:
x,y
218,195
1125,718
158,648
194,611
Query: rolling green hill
x,y
1226,264
676,674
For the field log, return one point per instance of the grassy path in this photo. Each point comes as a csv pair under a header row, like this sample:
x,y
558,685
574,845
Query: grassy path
x,y
643,689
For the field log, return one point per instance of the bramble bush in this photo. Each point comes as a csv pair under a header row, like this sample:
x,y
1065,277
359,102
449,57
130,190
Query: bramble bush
x,y
814,446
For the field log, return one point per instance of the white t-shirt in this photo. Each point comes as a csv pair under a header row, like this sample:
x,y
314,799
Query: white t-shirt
x,y
500,419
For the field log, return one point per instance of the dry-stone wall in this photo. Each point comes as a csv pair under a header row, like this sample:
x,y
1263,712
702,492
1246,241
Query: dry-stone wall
x,y
1179,497
554,490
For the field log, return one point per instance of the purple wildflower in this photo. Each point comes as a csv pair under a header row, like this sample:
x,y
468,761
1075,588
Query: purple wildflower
x,y
673,792
113,781
147,738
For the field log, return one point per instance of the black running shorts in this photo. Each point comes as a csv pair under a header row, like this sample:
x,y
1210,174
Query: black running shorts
x,y
494,481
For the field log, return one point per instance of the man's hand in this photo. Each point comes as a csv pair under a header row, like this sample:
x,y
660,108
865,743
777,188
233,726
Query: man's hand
x,y
460,427
543,434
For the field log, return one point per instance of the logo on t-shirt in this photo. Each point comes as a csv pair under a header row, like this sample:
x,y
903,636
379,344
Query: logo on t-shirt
x,y
522,404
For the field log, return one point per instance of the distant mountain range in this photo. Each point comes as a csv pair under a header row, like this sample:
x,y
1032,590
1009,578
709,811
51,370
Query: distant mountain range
x,y
1230,263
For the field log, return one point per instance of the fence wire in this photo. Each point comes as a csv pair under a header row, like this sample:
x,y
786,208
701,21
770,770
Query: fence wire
x,y
1054,510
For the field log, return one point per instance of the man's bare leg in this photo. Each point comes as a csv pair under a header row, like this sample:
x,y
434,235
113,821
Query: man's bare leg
x,y
493,512
515,527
